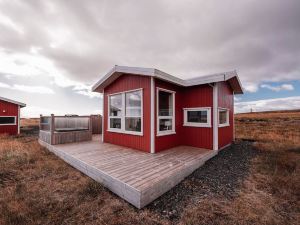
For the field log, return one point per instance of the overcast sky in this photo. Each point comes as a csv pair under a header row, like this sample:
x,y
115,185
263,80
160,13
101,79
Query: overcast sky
x,y
51,52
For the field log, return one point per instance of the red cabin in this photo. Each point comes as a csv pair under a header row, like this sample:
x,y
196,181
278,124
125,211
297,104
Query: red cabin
x,y
150,110
10,116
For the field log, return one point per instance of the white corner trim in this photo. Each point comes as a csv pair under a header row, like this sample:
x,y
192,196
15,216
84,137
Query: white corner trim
x,y
19,119
103,113
152,116
125,132
215,118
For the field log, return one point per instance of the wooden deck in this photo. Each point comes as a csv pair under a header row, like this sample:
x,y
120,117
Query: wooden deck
x,y
137,177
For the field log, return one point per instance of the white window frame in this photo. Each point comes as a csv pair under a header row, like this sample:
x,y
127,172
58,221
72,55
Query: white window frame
x,y
167,132
123,115
195,124
227,117
10,124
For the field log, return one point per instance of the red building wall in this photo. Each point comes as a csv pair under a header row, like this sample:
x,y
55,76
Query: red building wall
x,y
225,100
10,110
126,83
185,97
191,97
198,96
169,141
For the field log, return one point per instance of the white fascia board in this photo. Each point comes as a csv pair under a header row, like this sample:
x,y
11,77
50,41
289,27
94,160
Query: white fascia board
x,y
234,74
135,70
103,78
124,69
167,77
12,101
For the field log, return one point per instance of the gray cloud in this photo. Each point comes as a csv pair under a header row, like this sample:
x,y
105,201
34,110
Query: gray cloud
x,y
83,40
288,103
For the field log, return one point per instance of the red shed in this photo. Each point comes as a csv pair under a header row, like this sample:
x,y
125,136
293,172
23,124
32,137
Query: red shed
x,y
10,116
150,110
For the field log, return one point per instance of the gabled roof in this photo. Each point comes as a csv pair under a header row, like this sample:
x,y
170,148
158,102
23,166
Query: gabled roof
x,y
231,77
12,101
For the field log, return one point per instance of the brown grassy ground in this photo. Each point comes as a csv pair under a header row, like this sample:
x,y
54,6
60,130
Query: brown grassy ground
x,y
36,187
271,194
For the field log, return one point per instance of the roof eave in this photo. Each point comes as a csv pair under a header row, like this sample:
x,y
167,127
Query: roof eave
x,y
117,71
13,102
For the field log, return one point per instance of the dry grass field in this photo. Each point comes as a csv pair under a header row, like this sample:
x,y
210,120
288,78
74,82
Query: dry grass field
x,y
36,187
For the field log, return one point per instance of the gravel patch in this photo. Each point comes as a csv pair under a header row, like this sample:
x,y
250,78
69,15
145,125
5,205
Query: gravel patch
x,y
221,176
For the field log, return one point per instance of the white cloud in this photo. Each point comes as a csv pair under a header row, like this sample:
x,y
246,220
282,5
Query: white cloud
x,y
250,87
33,89
269,104
28,89
88,93
35,111
237,99
85,90
283,87
3,85
8,22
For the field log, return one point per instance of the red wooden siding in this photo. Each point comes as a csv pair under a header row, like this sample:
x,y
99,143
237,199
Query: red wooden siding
x,y
198,96
126,83
10,110
191,97
169,141
225,100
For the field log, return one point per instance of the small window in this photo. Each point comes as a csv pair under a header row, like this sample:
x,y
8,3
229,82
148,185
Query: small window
x,y
223,117
7,120
165,112
197,117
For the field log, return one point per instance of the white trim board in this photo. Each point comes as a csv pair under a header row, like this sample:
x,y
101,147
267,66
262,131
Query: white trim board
x,y
215,118
13,102
19,119
103,113
152,116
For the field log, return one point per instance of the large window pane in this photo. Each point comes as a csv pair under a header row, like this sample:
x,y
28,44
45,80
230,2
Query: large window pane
x,y
115,123
197,116
133,124
165,103
133,103
223,117
115,105
7,120
165,124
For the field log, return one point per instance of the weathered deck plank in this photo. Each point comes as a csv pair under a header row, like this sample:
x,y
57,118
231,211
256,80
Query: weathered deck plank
x,y
136,176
